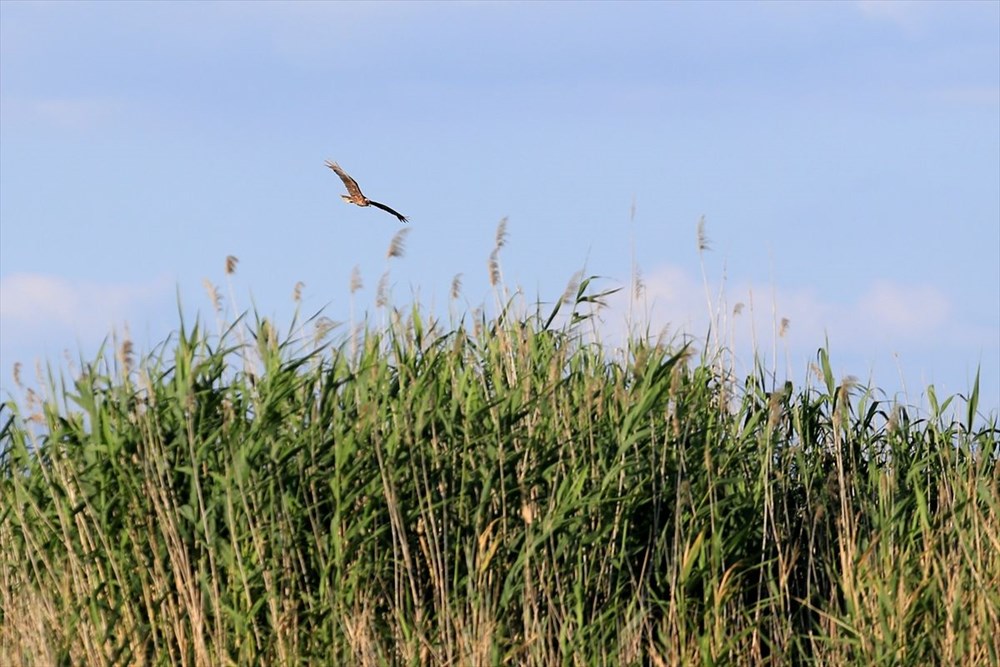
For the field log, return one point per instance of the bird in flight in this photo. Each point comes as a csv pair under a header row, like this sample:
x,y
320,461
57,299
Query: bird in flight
x,y
354,194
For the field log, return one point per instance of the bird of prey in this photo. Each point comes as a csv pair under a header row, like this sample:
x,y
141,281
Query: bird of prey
x,y
354,194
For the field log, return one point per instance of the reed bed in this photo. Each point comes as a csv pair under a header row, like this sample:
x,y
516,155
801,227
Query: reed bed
x,y
508,491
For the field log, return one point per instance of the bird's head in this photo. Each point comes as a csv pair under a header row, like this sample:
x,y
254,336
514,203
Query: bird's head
x,y
347,199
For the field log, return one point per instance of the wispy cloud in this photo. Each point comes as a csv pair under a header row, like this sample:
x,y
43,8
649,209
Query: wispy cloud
x,y
974,96
900,336
65,113
885,312
33,303
76,113
908,15
902,311
886,324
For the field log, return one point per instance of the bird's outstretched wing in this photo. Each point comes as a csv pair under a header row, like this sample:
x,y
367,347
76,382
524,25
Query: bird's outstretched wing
x,y
402,218
349,183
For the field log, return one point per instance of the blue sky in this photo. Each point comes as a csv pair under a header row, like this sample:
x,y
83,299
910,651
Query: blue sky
x,y
846,157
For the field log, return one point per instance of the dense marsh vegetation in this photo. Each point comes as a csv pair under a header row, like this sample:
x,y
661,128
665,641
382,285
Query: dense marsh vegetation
x,y
501,491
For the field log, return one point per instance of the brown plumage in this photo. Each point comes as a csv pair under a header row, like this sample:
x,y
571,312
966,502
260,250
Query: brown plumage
x,y
354,194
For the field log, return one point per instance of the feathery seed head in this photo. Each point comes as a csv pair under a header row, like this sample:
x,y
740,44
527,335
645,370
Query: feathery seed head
x,y
703,241
528,512
843,408
893,424
382,293
501,236
356,283
397,248
125,355
775,405
213,294
494,266
324,325
572,287
477,323
785,324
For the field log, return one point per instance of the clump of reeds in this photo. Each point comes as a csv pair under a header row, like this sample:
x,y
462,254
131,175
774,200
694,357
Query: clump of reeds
x,y
510,492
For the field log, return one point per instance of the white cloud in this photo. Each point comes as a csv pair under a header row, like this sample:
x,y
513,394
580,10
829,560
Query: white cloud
x,y
974,96
886,314
903,311
32,302
908,15
75,113
884,330
67,113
